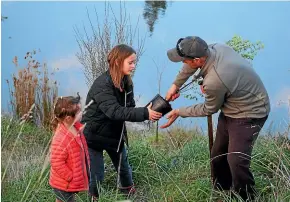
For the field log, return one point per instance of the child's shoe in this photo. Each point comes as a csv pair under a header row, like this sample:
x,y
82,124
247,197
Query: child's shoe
x,y
93,198
128,190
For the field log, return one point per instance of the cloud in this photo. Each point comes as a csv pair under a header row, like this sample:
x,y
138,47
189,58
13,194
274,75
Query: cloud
x,y
65,63
76,83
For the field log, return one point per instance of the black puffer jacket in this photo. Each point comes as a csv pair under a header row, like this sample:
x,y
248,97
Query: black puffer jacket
x,y
105,117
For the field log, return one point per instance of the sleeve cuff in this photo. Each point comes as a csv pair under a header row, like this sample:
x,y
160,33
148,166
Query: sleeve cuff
x,y
178,83
146,113
182,112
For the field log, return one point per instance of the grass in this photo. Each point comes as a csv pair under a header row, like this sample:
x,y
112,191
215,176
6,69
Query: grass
x,y
176,168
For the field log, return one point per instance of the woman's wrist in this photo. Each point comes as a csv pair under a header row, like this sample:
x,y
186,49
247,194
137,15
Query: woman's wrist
x,y
146,113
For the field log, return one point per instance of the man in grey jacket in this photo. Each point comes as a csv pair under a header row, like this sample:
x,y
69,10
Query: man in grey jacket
x,y
231,85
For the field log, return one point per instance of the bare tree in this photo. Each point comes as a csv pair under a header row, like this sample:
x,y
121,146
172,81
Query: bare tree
x,y
160,71
93,49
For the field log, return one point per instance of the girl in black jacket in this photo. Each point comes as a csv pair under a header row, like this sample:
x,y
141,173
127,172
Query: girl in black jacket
x,y
111,103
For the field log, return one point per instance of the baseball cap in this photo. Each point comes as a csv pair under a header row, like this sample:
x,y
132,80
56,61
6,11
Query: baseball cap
x,y
188,48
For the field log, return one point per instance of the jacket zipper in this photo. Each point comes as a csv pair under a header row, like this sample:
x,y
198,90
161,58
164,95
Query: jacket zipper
x,y
122,132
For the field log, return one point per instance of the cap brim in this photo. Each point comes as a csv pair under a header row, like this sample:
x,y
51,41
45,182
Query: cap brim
x,y
173,55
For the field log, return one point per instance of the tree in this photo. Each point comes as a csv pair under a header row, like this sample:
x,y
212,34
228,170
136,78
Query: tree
x,y
151,12
93,49
160,72
3,18
246,48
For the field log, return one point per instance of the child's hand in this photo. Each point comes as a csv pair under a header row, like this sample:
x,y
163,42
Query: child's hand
x,y
153,115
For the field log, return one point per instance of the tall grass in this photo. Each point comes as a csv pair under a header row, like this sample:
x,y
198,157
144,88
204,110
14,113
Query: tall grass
x,y
32,84
176,168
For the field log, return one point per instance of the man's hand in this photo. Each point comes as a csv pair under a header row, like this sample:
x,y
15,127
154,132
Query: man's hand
x,y
153,115
172,116
172,94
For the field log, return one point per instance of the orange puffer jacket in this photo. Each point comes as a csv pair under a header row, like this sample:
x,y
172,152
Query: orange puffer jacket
x,y
69,160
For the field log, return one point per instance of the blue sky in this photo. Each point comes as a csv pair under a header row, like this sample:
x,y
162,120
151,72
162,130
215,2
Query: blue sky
x,y
48,26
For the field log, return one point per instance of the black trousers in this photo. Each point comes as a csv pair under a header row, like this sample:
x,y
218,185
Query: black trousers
x,y
231,154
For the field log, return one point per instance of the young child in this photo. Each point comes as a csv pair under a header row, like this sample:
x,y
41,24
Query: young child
x,y
69,157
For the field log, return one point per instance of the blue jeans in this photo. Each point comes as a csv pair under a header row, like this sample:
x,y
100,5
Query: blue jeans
x,y
97,169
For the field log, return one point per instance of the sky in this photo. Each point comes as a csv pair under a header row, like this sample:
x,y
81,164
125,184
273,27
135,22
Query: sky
x,y
49,26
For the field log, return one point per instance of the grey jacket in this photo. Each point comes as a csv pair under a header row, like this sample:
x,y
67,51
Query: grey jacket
x,y
230,84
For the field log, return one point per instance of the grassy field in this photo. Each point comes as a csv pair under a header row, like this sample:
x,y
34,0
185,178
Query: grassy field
x,y
176,168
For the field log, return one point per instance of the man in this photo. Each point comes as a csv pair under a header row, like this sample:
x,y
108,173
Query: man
x,y
231,85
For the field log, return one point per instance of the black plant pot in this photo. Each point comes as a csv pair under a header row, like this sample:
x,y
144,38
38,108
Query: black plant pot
x,y
159,104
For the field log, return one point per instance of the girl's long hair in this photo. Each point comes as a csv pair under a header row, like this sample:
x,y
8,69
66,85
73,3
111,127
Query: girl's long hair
x,y
116,59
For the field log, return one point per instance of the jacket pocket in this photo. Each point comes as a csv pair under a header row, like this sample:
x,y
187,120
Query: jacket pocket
x,y
69,182
101,127
96,127
245,121
67,185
